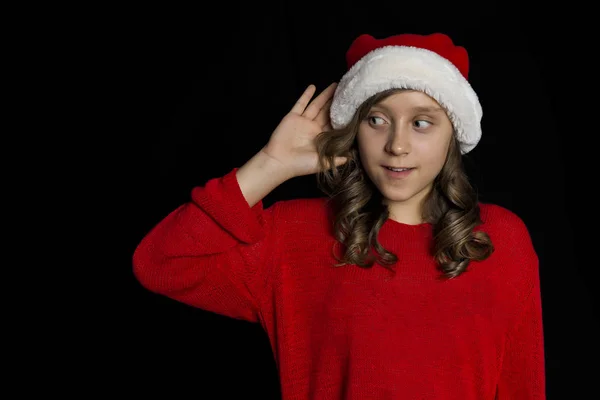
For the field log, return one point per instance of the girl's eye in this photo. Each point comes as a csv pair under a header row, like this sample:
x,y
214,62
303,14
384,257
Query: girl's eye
x,y
376,120
422,123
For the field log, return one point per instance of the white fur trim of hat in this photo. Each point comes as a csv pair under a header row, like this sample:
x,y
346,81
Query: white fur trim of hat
x,y
408,67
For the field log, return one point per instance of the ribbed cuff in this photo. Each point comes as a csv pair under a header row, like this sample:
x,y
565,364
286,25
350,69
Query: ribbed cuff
x,y
222,199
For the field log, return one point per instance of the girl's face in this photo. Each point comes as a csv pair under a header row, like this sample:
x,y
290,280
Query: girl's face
x,y
408,129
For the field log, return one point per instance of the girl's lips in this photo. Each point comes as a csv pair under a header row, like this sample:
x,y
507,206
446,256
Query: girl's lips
x,y
393,166
396,174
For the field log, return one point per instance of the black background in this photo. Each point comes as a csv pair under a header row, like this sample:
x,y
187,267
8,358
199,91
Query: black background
x,y
192,93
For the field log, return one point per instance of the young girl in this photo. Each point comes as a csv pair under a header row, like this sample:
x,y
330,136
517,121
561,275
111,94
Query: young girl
x,y
399,283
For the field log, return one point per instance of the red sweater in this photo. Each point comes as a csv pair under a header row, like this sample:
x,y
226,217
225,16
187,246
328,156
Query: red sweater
x,y
348,332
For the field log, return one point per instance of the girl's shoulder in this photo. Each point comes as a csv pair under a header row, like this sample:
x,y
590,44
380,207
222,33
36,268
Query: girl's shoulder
x,y
506,228
301,219
500,218
300,210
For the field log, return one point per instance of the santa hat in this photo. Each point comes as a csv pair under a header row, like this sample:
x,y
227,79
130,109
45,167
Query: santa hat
x,y
429,63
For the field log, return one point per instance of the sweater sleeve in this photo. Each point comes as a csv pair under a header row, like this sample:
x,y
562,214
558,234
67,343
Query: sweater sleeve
x,y
522,374
212,252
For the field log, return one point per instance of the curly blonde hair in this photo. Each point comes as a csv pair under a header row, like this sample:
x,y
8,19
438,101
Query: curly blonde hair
x,y
452,206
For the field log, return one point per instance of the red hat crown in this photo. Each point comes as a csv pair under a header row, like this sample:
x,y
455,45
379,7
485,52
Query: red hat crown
x,y
436,42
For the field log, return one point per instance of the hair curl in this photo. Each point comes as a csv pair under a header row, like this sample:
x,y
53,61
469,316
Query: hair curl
x,y
452,206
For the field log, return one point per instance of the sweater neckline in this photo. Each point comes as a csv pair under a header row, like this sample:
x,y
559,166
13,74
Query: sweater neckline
x,y
402,234
407,241
397,225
